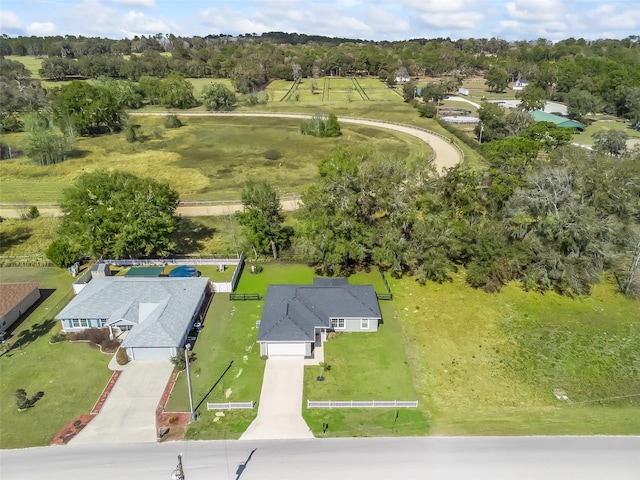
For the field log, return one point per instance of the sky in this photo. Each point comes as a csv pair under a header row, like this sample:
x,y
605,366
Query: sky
x,y
363,19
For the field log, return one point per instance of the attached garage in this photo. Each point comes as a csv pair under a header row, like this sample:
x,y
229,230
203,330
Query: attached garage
x,y
288,349
156,353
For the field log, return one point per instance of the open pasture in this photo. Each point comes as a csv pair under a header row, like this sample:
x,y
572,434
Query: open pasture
x,y
206,159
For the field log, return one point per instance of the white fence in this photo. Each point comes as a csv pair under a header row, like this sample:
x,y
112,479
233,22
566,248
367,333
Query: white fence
x,y
362,404
129,262
230,406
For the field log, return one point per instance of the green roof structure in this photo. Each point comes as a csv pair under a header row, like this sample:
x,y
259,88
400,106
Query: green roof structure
x,y
562,122
144,272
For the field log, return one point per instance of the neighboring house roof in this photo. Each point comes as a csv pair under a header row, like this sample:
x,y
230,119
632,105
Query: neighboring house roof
x,y
144,272
292,312
11,294
160,309
540,116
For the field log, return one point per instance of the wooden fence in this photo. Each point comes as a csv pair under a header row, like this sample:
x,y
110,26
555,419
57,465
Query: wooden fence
x,y
230,406
362,404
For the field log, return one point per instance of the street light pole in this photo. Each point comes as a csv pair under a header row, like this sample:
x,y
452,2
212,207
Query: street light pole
x,y
187,347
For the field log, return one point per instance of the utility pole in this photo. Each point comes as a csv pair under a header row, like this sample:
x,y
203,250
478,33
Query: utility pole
x,y
187,347
481,130
178,473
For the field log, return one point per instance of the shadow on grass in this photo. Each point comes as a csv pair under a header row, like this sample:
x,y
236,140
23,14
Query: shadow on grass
x,y
16,237
190,234
25,337
212,387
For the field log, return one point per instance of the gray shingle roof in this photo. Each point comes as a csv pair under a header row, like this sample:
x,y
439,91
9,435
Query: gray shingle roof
x,y
292,312
160,309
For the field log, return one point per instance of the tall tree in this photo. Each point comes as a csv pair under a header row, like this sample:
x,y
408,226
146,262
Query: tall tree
x,y
532,97
497,79
116,214
177,92
582,102
613,142
263,220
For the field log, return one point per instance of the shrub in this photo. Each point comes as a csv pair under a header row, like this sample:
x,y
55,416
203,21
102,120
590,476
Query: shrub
x,y
22,402
57,337
33,212
178,360
272,155
121,356
427,110
255,269
109,345
62,253
172,121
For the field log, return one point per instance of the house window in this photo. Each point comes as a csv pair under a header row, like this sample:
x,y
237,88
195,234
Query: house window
x,y
84,322
364,324
103,322
75,323
337,323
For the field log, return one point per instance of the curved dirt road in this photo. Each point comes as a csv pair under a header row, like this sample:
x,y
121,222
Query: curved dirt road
x,y
446,155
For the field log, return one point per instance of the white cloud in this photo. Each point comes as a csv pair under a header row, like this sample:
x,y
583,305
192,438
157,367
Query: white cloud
x,y
41,28
535,10
139,22
9,20
135,3
454,21
441,6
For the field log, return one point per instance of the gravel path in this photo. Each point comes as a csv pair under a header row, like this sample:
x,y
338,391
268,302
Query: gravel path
x,y
446,156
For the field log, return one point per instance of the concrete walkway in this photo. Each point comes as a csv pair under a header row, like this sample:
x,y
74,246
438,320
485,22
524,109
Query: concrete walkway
x,y
280,408
129,414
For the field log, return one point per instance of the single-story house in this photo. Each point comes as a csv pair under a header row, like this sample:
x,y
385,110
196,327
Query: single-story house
x,y
16,299
156,313
562,122
520,84
296,318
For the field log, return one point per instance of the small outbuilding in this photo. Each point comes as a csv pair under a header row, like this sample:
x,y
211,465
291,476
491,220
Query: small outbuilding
x,y
15,300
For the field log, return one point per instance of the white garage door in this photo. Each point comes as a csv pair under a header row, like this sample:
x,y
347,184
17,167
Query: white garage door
x,y
286,349
150,353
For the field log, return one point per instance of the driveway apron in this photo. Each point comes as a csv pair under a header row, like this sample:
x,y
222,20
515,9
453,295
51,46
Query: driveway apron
x,y
280,407
129,414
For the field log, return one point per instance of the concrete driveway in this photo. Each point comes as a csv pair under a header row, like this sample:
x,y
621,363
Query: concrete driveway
x,y
280,407
129,414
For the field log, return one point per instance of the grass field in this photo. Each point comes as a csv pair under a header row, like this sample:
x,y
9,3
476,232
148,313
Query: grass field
x,y
200,83
586,137
71,376
488,364
365,366
27,237
33,64
207,159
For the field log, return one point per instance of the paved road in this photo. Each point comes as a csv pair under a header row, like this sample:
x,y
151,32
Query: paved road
x,y
446,156
280,408
495,458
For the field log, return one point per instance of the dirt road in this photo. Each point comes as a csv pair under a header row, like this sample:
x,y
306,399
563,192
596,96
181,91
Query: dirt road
x,y
446,156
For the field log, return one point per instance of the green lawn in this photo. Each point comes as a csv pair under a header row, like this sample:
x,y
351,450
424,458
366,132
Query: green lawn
x,y
229,334
200,83
586,137
33,64
365,366
207,159
72,376
27,237
488,363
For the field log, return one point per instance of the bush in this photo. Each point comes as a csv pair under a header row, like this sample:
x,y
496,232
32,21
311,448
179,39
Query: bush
x,y
57,337
121,356
33,212
172,121
178,360
272,155
22,402
321,126
61,253
109,346
255,269
427,110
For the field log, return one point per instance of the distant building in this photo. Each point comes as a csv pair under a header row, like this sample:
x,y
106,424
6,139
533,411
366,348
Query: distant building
x,y
15,300
463,91
562,122
520,84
